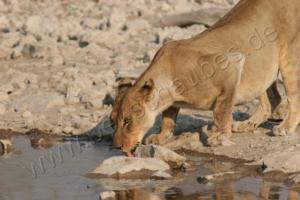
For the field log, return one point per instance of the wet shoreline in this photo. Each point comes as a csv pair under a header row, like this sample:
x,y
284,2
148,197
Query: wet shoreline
x,y
76,165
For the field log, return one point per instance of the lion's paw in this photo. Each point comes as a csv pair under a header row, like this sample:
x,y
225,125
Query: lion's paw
x,y
279,131
155,139
245,126
218,139
213,141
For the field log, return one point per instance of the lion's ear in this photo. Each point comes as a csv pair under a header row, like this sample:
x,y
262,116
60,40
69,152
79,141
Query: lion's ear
x,y
147,87
124,83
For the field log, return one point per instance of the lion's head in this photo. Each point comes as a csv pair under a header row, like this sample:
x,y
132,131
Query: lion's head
x,y
131,114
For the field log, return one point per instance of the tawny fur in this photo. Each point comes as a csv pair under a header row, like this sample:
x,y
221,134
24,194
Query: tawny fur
x,y
233,62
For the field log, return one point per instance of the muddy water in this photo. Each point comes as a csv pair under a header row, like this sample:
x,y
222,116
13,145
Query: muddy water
x,y
55,170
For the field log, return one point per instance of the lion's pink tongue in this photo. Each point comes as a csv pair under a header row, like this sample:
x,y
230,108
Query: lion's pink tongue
x,y
130,154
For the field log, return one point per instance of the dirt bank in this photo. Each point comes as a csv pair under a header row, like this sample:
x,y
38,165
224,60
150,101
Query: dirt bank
x,y
59,59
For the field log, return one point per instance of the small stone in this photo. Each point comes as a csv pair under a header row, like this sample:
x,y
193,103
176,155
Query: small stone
x,y
68,130
272,139
153,151
6,145
27,114
161,175
260,131
57,130
5,30
94,98
211,177
71,100
28,50
83,124
165,7
108,100
295,178
129,167
107,195
83,44
186,141
2,150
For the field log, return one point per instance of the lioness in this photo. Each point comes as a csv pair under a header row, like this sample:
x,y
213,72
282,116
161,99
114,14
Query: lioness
x,y
231,63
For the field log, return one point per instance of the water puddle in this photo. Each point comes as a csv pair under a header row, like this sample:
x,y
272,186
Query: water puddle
x,y
42,168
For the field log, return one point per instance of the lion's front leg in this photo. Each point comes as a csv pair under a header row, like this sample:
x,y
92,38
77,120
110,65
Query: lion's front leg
x,y
167,126
290,70
270,104
226,81
261,115
222,119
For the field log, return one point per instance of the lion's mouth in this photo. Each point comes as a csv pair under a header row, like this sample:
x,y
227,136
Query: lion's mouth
x,y
132,153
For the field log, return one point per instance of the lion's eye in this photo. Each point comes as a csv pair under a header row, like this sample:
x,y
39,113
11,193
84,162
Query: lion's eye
x,y
127,121
112,125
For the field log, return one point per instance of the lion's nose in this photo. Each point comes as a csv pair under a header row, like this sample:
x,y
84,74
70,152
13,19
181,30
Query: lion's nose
x,y
117,143
118,147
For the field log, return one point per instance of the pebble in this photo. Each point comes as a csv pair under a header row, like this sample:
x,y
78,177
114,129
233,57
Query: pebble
x,y
27,114
6,145
68,130
161,175
129,167
107,195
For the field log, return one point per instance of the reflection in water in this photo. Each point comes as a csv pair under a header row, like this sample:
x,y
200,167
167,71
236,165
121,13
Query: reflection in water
x,y
2,148
236,190
273,192
245,187
136,194
219,194
42,142
67,180
294,195
5,146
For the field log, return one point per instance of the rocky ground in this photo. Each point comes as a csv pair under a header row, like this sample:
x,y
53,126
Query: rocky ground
x,y
60,59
